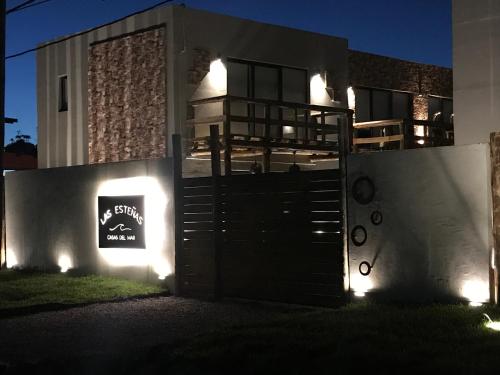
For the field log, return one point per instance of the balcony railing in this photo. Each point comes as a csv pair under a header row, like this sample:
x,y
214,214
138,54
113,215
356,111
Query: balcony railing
x,y
250,126
400,134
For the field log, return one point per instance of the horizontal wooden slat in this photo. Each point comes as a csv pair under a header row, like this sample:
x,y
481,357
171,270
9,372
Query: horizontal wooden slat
x,y
199,199
198,190
210,120
201,234
198,208
389,138
200,225
197,181
197,216
375,124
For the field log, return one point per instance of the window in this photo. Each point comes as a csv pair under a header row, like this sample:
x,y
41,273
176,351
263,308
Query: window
x,y
63,93
265,81
376,104
441,110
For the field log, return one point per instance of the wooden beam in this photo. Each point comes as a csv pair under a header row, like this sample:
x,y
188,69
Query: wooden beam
x,y
214,150
227,138
288,146
390,138
210,120
217,223
377,124
178,212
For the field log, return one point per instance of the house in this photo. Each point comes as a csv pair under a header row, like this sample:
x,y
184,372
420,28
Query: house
x,y
242,96
119,92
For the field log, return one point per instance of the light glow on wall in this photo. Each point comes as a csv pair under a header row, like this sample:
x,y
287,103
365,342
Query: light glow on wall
x,y
217,75
361,285
319,95
64,262
476,292
419,130
11,259
155,204
162,267
351,98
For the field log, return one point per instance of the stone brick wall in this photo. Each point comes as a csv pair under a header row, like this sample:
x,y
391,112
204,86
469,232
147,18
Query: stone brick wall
x,y
366,69
200,66
127,98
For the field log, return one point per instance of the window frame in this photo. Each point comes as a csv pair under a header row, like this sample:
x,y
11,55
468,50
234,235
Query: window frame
x,y
62,93
251,76
441,99
391,108
251,65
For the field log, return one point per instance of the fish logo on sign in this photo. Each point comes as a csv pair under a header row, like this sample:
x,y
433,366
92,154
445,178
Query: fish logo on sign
x,y
121,222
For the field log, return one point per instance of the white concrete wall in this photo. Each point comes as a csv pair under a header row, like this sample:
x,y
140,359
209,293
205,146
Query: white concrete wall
x,y
53,212
436,236
476,69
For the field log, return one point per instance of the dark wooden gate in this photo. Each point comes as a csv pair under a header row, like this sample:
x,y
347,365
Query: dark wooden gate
x,y
275,236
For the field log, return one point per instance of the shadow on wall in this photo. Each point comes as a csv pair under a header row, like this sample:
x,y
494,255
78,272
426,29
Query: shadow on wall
x,y
434,240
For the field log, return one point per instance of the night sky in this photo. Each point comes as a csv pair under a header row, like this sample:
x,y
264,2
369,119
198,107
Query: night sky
x,y
417,30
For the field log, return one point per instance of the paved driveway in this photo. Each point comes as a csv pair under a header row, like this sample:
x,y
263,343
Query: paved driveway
x,y
122,328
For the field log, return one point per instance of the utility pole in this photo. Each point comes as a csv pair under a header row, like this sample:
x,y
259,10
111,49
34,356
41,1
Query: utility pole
x,y
3,256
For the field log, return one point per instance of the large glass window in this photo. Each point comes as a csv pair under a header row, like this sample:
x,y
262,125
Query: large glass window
x,y
265,81
376,104
441,109
237,79
381,105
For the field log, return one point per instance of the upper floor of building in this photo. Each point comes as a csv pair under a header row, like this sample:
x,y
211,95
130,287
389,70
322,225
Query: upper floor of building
x,y
120,91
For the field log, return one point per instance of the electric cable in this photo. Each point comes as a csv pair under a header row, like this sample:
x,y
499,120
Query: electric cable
x,y
86,31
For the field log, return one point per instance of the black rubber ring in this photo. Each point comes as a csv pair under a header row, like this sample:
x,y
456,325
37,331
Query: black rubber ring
x,y
369,268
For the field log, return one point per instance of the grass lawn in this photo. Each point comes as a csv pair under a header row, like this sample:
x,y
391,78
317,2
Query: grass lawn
x,y
25,289
367,338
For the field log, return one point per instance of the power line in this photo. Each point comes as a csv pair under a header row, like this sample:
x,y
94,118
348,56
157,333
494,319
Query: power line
x,y
20,6
87,31
25,5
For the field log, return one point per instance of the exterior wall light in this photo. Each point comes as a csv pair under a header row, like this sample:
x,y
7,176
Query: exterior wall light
x,y
351,98
319,95
361,285
162,267
218,75
11,259
493,325
64,262
476,292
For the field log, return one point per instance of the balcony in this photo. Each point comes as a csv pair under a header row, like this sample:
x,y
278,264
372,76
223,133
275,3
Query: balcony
x,y
251,128
279,133
400,134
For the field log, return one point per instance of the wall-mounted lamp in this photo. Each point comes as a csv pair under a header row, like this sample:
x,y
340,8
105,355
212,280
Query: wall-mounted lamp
x,y
361,285
319,95
11,259
351,98
476,292
64,262
218,75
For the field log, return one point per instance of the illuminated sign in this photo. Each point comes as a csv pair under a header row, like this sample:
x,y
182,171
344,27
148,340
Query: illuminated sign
x,y
121,222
